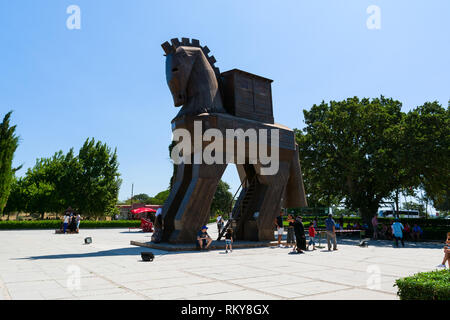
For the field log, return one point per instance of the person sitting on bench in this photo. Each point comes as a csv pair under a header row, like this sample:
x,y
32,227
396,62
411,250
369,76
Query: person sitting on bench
x,y
203,238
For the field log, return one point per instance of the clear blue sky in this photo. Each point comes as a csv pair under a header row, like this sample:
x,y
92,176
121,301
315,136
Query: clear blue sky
x,y
107,80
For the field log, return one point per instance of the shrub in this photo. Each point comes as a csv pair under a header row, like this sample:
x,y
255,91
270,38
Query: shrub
x,y
433,285
56,224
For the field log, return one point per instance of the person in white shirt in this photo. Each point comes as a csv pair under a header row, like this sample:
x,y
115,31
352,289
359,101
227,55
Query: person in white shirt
x,y
219,223
66,222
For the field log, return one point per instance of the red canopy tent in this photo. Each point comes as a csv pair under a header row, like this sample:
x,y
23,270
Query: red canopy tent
x,y
146,225
143,209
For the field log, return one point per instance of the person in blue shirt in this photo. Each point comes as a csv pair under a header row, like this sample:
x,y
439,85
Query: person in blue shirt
x,y
397,232
330,226
416,232
203,238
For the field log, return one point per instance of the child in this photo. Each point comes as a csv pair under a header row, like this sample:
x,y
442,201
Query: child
x,y
312,235
446,253
228,240
290,232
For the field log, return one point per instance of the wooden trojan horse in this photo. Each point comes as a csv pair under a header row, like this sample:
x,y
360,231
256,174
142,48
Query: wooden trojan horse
x,y
222,101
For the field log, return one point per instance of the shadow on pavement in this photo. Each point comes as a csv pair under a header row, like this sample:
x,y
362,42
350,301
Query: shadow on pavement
x,y
387,243
106,253
131,251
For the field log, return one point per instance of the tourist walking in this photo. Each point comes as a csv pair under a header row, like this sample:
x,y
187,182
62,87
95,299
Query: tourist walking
x,y
280,229
299,230
290,232
397,232
330,226
229,240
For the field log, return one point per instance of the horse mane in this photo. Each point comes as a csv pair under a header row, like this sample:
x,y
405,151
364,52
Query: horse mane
x,y
185,42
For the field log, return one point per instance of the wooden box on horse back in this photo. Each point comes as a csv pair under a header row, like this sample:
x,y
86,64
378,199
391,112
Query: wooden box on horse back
x,y
247,95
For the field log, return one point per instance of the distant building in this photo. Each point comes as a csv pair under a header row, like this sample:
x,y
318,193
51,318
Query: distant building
x,y
125,209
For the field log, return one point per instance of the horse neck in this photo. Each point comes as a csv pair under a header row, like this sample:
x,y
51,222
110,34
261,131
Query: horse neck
x,y
203,90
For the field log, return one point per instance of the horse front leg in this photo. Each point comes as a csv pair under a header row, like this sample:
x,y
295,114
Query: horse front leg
x,y
195,206
171,205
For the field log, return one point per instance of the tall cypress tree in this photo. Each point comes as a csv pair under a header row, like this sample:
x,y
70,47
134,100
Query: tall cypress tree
x,y
8,145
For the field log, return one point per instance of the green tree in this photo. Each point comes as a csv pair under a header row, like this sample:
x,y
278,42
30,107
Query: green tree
x,y
96,180
427,137
222,199
319,179
350,151
16,201
442,203
142,198
88,182
9,142
160,198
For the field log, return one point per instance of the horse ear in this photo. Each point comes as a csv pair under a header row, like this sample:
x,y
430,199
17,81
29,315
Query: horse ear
x,y
167,47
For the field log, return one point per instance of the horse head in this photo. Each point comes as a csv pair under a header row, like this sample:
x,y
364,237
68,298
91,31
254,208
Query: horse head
x,y
179,66
192,77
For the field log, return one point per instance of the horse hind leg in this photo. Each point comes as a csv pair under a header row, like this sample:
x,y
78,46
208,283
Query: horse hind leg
x,y
295,191
272,200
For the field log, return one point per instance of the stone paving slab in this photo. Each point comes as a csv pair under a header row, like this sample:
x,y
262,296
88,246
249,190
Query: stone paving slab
x,y
37,264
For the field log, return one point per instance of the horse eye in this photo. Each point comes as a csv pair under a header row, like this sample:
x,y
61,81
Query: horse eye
x,y
174,69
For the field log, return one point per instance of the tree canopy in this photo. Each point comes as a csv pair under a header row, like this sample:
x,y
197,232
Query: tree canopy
x,y
360,151
158,199
222,199
88,182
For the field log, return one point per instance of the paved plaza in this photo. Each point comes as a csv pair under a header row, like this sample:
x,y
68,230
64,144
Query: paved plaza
x,y
38,264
